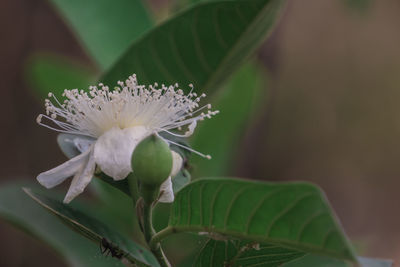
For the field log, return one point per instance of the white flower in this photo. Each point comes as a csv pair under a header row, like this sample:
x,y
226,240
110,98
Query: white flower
x,y
116,121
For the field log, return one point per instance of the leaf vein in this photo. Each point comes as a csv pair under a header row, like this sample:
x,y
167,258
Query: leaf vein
x,y
286,210
313,217
219,188
159,62
197,46
259,205
231,203
218,34
179,60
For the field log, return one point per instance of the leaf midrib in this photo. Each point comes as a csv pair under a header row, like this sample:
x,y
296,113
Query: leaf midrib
x,y
307,248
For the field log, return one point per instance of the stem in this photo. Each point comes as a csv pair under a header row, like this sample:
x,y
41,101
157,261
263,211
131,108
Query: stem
x,y
133,187
149,194
160,236
148,229
149,233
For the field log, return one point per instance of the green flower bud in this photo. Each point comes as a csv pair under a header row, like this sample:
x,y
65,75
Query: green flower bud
x,y
152,165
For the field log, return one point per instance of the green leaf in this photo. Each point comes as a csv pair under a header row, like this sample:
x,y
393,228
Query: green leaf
x,y
202,45
180,180
18,209
293,215
94,230
236,253
51,73
106,28
237,102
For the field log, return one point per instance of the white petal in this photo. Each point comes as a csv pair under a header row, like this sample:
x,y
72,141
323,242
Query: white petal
x,y
83,143
166,192
57,175
72,145
113,150
81,179
177,162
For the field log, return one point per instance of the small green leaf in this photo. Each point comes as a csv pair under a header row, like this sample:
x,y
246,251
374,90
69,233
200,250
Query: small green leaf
x,y
293,215
51,73
106,28
94,230
19,209
202,45
180,180
236,253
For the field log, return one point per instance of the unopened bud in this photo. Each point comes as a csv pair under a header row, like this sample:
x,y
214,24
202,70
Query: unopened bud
x,y
152,165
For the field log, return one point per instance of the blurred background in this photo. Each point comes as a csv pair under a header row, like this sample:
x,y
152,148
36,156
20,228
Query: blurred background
x,y
330,113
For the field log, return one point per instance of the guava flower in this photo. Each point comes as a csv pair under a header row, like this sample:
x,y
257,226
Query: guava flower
x,y
115,122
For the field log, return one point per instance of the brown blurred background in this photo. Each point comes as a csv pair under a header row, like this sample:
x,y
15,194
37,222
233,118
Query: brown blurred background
x,y
332,114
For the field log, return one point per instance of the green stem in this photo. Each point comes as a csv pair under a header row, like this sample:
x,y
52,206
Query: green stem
x,y
149,194
148,229
160,236
148,234
133,187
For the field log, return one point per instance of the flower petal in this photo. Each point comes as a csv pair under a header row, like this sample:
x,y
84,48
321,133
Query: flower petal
x,y
72,145
83,143
177,162
81,179
113,150
58,174
166,192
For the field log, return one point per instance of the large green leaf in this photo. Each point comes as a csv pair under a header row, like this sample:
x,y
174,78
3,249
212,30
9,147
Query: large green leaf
x,y
51,73
293,215
17,208
202,45
238,253
237,103
106,28
95,230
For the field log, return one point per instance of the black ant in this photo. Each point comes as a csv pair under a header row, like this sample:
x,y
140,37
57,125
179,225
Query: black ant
x,y
107,247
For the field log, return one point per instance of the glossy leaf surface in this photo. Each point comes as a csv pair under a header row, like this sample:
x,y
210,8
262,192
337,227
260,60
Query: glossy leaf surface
x,y
94,230
236,253
18,209
294,215
202,45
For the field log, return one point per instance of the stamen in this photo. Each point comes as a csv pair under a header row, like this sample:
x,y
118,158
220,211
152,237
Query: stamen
x,y
189,149
97,110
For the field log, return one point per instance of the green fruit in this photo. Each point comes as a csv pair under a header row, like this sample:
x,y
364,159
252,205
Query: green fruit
x,y
152,161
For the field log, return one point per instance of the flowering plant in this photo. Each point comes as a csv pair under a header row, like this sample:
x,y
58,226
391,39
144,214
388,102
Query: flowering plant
x,y
129,147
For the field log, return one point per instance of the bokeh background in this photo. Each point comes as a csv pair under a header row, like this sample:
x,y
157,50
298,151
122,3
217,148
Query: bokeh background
x,y
330,115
